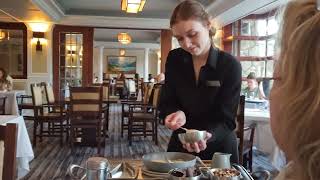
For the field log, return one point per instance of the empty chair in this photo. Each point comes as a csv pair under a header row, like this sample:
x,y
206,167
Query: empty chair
x,y
44,119
125,105
8,148
25,102
138,121
245,145
86,114
106,103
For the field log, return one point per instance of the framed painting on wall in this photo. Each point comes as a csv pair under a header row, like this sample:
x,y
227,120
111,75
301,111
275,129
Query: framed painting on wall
x,y
118,64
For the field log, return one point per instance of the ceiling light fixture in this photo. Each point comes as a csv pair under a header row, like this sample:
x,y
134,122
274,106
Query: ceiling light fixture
x,y
124,38
132,6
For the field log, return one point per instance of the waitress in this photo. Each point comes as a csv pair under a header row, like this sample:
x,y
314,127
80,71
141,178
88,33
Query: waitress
x,y
202,85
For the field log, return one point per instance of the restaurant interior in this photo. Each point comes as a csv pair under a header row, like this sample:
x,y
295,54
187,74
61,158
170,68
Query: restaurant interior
x,y
117,55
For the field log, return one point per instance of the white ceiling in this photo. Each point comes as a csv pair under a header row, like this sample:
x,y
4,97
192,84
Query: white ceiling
x,y
138,36
107,13
153,8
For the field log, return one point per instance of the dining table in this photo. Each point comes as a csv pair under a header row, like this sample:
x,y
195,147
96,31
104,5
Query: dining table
x,y
139,171
11,106
263,138
24,152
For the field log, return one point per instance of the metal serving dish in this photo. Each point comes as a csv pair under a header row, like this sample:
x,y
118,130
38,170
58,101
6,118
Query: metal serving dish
x,y
165,161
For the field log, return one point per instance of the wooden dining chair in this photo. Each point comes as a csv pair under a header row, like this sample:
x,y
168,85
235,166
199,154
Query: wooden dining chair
x,y
106,104
8,149
245,144
148,114
25,103
86,113
125,105
3,105
46,119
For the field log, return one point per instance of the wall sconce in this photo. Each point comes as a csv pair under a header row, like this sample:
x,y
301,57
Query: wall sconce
x,y
38,35
132,6
122,52
71,52
2,35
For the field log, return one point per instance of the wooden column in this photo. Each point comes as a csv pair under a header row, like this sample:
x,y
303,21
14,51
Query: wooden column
x,y
166,45
227,44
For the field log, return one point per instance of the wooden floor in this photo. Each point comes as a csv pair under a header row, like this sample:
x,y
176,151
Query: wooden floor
x,y
52,160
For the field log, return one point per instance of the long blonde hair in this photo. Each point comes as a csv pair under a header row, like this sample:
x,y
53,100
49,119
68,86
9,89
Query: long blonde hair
x,y
299,70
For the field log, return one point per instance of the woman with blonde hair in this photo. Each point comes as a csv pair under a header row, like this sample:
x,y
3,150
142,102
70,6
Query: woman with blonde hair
x,y
295,99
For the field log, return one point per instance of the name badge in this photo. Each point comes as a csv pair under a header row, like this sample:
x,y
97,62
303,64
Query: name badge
x,y
213,83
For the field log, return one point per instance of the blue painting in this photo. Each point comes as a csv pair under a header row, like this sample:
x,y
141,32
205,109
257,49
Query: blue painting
x,y
126,64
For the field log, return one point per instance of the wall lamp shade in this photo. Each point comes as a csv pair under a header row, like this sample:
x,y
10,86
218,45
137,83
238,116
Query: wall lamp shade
x,y
124,38
38,35
132,6
2,35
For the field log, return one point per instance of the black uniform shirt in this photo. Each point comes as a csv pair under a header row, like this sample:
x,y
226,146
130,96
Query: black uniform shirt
x,y
210,104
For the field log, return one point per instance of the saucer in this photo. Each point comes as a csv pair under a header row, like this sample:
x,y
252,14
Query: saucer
x,y
149,173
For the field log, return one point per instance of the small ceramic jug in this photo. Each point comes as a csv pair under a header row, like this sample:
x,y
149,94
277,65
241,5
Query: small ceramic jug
x,y
220,160
97,168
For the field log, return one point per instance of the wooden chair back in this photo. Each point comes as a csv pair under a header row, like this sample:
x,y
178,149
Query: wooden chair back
x,y
245,144
86,101
240,126
48,89
156,95
120,83
8,149
3,105
147,90
37,99
106,90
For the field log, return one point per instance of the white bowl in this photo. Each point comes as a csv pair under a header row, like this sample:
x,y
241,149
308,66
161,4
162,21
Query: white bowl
x,y
192,136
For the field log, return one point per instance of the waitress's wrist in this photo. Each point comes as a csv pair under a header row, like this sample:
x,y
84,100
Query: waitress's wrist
x,y
213,137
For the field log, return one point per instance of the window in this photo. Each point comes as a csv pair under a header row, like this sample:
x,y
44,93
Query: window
x,y
253,43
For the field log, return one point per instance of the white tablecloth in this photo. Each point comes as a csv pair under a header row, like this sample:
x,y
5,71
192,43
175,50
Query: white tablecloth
x,y
11,102
24,148
264,140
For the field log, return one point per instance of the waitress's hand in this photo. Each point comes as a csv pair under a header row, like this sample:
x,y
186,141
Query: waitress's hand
x,y
197,146
175,120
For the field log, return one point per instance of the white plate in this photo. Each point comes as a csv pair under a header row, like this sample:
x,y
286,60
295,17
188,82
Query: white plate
x,y
153,173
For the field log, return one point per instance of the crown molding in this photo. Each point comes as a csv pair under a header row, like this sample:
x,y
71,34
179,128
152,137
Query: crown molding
x,y
118,22
51,8
117,45
244,9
